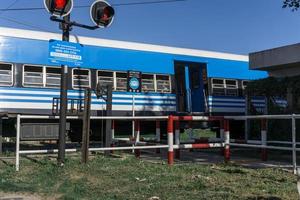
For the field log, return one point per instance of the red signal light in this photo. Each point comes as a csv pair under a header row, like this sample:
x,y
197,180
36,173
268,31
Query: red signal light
x,y
59,8
60,4
102,14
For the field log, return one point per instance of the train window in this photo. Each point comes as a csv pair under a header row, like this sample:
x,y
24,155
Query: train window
x,y
53,77
121,79
105,77
33,76
218,83
81,78
231,87
218,87
6,74
148,83
163,83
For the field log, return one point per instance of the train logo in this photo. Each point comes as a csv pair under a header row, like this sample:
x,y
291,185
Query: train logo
x,y
134,83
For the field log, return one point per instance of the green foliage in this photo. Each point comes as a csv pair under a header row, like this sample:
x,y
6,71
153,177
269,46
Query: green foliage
x,y
293,4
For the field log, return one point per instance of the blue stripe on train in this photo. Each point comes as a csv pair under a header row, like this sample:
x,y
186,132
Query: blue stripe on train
x,y
101,103
93,97
82,92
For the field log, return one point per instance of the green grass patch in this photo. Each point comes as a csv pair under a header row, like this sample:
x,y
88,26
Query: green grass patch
x,y
130,178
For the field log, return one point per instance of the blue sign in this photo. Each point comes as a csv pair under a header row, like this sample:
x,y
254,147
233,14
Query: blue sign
x,y
65,53
134,83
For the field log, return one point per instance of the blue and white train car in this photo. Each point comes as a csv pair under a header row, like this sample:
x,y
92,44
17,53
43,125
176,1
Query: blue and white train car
x,y
174,80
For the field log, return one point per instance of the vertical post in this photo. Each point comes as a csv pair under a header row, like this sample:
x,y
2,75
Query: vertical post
x,y
247,112
108,127
63,99
112,135
86,126
222,135
227,141
177,138
170,141
263,139
18,143
157,137
113,129
294,144
133,115
137,137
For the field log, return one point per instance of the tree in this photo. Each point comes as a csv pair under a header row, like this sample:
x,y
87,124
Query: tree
x,y
293,4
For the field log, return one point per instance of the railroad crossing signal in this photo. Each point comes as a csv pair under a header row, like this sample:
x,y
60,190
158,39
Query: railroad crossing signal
x,y
102,14
59,8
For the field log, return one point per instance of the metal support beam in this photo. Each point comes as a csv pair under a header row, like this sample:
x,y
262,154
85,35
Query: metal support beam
x,y
63,99
108,131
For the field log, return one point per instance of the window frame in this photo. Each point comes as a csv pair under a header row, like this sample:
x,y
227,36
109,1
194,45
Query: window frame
x,y
154,82
12,74
89,76
213,85
43,76
169,80
113,77
236,83
116,82
217,86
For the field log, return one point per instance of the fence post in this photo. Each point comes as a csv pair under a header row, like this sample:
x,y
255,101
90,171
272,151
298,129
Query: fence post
x,y
18,143
157,138
112,135
264,139
227,141
294,144
177,138
170,141
222,134
137,137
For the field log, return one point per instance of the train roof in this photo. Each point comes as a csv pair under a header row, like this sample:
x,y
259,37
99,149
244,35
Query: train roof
x,y
39,35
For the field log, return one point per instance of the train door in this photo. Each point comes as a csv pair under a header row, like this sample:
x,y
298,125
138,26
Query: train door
x,y
190,89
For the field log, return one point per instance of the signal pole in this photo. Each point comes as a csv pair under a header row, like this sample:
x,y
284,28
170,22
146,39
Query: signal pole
x,y
102,14
63,97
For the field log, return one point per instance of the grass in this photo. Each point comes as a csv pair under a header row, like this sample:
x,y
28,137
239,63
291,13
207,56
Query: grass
x,y
130,178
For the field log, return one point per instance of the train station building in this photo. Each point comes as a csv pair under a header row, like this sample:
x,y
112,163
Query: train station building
x,y
278,62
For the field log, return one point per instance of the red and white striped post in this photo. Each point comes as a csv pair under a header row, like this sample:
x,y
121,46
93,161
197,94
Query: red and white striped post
x,y
137,137
112,135
263,132
227,141
177,138
170,140
157,136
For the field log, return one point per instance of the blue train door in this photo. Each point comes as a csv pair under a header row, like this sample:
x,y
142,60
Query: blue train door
x,y
190,89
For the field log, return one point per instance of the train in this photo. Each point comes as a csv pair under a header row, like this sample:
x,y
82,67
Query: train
x,y
173,80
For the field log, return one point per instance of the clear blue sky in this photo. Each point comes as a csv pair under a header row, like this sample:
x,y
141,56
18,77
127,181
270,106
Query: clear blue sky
x,y
234,26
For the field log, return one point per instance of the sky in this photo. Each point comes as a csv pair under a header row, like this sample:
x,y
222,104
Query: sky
x,y
232,26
